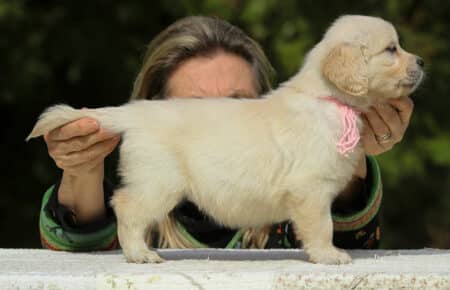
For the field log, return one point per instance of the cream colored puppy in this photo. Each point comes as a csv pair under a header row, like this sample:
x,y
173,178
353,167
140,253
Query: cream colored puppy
x,y
249,163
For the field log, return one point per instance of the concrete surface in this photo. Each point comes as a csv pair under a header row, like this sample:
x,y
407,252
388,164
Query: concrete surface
x,y
223,269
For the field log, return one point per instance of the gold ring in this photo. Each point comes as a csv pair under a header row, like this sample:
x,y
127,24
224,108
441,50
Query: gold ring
x,y
385,138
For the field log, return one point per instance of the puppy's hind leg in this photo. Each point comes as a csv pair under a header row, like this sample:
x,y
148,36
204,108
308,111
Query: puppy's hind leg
x,y
314,227
135,218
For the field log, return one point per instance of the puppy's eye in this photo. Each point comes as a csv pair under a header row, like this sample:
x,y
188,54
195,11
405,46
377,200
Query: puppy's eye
x,y
391,49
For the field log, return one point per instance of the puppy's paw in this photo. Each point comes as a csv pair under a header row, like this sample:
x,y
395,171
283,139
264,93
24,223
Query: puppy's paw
x,y
143,256
330,256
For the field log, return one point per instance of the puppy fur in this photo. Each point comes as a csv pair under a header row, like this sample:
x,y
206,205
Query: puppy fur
x,y
249,163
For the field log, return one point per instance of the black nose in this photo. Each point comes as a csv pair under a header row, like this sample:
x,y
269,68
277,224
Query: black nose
x,y
420,62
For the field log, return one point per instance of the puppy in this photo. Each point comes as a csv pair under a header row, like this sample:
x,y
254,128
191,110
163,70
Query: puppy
x,y
249,163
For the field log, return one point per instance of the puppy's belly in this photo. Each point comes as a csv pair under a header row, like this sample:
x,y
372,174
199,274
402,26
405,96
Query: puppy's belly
x,y
255,202
236,212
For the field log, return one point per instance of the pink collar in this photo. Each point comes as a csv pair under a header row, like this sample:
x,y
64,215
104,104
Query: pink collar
x,y
350,135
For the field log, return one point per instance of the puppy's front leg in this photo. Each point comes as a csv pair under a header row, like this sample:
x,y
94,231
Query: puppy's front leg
x,y
314,226
132,226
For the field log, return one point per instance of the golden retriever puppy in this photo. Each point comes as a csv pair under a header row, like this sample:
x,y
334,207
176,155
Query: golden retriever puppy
x,y
249,163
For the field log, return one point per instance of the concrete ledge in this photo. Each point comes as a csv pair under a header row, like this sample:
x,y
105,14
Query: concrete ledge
x,y
224,269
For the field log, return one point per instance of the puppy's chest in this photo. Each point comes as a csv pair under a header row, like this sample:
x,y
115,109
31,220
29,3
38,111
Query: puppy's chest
x,y
327,145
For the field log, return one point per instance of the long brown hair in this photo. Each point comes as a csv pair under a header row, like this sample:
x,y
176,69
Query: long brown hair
x,y
197,36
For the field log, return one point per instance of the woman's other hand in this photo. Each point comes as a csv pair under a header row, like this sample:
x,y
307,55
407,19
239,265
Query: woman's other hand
x,y
385,125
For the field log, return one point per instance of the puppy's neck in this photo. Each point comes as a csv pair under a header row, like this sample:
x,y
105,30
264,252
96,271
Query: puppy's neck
x,y
310,81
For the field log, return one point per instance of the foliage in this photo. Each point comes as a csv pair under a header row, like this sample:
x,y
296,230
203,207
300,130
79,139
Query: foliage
x,y
86,53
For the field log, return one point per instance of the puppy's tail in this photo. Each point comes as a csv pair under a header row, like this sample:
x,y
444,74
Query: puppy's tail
x,y
59,115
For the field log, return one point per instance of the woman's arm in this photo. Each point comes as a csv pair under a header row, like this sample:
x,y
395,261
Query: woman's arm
x,y
355,217
74,214
79,149
83,194
58,231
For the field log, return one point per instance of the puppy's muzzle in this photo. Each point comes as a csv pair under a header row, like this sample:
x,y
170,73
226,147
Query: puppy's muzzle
x,y
414,74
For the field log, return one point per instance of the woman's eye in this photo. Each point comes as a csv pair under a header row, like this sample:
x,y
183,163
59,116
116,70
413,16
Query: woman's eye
x,y
391,49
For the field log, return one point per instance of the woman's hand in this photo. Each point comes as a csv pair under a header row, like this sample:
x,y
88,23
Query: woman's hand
x,y
80,146
385,125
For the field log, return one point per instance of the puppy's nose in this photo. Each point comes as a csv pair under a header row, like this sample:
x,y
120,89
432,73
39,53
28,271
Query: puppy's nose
x,y
420,62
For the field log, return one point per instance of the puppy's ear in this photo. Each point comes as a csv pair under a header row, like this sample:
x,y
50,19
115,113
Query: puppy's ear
x,y
345,67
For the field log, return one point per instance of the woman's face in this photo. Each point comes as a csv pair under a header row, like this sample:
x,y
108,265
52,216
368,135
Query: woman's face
x,y
219,75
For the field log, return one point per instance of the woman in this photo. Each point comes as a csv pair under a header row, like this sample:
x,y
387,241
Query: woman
x,y
200,57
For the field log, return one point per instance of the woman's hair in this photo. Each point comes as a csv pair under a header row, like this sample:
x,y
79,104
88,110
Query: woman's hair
x,y
196,36
186,38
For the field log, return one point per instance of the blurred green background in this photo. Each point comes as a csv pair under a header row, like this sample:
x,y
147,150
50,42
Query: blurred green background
x,y
87,53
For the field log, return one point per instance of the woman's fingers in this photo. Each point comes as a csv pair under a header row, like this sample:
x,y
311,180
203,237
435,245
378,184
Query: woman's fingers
x,y
98,150
80,143
379,127
56,138
84,168
391,118
405,107
370,143
386,124
81,127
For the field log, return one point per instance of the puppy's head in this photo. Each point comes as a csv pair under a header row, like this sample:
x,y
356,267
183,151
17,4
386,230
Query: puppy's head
x,y
365,63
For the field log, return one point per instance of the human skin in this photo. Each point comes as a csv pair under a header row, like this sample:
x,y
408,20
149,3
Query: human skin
x,y
80,147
